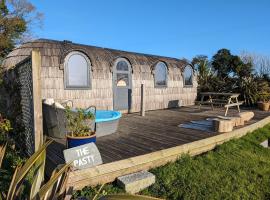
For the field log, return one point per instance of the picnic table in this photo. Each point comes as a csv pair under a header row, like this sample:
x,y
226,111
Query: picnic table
x,y
223,99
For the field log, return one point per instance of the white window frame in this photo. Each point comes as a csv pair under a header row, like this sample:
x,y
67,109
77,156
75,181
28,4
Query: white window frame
x,y
66,75
129,72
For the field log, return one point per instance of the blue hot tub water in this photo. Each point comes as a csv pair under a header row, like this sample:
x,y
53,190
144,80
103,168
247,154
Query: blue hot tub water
x,y
107,115
106,121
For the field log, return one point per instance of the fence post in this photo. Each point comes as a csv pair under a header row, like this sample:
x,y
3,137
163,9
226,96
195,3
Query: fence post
x,y
37,99
143,100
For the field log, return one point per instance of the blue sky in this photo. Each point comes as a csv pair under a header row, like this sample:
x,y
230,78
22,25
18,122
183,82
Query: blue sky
x,y
174,28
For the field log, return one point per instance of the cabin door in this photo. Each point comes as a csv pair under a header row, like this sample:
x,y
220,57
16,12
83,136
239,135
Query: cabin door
x,y
122,86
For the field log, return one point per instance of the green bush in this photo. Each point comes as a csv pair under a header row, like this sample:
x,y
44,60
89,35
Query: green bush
x,y
5,127
12,156
77,122
226,72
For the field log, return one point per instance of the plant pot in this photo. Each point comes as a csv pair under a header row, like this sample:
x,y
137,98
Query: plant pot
x,y
77,141
264,106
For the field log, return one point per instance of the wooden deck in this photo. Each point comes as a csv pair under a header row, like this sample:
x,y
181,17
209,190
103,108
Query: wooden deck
x,y
138,135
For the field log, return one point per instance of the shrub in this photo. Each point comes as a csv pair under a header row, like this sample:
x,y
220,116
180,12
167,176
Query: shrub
x,y
77,122
5,127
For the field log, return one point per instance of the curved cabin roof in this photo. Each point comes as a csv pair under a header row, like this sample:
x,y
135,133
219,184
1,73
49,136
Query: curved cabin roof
x,y
57,50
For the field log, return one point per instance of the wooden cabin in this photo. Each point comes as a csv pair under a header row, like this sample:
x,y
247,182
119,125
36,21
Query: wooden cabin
x,y
108,79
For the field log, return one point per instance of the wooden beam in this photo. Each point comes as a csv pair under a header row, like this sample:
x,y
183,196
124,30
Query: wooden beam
x,y
108,172
143,100
37,99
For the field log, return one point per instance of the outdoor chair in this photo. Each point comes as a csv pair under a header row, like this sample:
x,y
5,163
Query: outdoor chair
x,y
54,120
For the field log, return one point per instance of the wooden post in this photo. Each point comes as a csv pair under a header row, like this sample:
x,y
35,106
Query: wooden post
x,y
143,100
37,100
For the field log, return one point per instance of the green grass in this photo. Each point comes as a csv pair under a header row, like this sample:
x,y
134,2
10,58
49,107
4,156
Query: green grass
x,y
238,169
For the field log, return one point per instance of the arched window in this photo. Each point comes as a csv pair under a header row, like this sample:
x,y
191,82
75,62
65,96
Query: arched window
x,y
122,66
77,71
122,72
161,75
188,76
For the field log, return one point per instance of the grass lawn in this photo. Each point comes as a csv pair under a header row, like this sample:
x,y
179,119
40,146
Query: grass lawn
x,y
238,169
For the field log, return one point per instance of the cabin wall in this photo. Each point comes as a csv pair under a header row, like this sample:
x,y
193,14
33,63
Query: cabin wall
x,y
175,94
101,93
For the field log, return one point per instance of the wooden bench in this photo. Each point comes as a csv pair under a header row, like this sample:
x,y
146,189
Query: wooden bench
x,y
234,104
227,106
230,101
209,103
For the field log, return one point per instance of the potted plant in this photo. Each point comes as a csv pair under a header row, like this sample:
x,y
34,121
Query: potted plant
x,y
80,127
263,103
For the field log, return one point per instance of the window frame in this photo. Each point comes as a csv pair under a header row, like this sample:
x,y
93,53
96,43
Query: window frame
x,y
66,72
192,76
166,75
129,72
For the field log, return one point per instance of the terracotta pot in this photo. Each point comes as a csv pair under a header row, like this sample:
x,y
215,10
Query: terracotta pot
x,y
264,106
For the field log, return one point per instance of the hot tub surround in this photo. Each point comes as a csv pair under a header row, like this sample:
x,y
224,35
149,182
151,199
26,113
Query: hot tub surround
x,y
106,122
55,121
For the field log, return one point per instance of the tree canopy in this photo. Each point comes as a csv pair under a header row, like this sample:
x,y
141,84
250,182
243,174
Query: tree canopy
x,y
226,72
17,18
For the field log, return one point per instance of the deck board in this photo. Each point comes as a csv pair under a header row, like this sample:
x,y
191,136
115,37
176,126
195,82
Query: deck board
x,y
138,135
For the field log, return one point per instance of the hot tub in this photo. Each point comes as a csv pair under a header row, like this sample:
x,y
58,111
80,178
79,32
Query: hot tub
x,y
106,122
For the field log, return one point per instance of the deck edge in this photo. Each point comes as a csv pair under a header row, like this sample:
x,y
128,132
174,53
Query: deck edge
x,y
110,171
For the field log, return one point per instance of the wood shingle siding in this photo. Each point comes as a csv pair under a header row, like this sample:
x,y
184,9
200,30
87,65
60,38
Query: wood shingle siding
x,y
100,94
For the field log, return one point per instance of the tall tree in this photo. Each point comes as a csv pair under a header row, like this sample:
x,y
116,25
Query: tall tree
x,y
229,69
17,18
229,73
222,63
205,73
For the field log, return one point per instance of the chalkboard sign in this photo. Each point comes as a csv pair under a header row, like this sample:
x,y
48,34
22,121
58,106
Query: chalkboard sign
x,y
83,156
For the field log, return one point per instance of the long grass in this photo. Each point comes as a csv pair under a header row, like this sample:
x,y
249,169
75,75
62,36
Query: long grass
x,y
238,169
